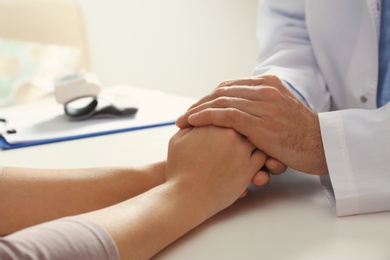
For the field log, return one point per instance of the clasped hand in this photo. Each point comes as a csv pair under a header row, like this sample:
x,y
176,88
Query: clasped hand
x,y
213,163
270,116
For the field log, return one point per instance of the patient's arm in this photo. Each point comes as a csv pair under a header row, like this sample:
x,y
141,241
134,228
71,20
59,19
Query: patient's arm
x,y
208,169
32,196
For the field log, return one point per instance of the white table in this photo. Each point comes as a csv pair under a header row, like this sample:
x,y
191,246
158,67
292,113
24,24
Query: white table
x,y
291,218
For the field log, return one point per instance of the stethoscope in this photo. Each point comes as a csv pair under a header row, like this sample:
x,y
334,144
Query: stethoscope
x,y
86,107
79,93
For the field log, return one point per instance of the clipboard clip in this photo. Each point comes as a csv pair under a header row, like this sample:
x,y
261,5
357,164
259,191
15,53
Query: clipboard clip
x,y
7,127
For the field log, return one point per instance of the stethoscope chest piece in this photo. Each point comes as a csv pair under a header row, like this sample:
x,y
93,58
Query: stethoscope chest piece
x,y
79,93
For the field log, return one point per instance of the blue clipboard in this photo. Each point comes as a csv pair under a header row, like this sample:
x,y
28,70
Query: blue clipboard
x,y
45,122
4,145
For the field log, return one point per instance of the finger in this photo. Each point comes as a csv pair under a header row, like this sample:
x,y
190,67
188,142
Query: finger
x,y
240,121
261,178
252,100
258,92
275,166
244,194
229,97
182,132
259,157
249,145
251,81
225,87
249,106
182,122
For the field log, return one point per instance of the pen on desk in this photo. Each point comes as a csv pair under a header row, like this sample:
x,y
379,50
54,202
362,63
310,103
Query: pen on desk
x,y
7,126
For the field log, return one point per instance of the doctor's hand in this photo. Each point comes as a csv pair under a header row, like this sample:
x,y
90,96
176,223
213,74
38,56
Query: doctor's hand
x,y
214,165
269,115
271,166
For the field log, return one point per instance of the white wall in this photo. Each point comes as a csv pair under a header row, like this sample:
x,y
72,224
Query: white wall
x,y
180,46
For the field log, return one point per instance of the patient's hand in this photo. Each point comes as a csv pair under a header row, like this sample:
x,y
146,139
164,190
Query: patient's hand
x,y
214,164
272,166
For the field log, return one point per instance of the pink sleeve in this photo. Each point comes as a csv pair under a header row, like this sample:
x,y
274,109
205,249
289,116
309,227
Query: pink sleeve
x,y
66,238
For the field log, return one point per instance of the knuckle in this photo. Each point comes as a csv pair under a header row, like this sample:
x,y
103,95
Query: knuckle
x,y
233,114
272,78
222,101
224,83
270,92
207,113
220,91
255,81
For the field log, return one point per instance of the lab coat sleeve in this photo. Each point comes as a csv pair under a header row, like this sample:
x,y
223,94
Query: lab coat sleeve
x,y
285,50
356,141
357,145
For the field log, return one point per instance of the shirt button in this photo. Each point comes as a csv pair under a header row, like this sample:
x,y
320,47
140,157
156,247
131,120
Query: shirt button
x,y
363,99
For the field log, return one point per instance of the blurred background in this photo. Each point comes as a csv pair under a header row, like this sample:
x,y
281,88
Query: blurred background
x,y
181,47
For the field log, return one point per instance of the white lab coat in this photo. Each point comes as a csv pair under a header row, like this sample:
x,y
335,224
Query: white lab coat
x,y
328,50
